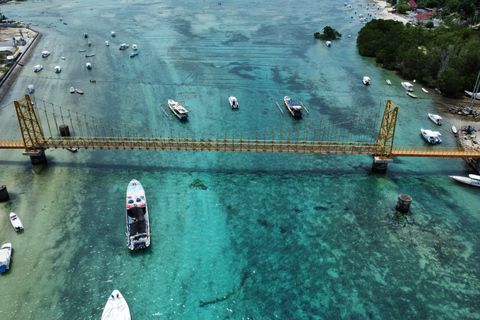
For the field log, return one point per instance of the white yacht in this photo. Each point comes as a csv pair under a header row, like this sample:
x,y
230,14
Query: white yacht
x,y
180,111
366,81
472,180
107,43
233,102
432,137
293,107
88,65
116,307
407,86
435,118
5,256
328,43
58,69
138,224
45,54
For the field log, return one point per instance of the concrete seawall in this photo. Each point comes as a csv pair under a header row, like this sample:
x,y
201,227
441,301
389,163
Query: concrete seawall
x,y
10,76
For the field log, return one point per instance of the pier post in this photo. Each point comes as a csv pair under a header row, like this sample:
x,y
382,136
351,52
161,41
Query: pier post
x,y
380,165
403,203
38,157
64,130
4,193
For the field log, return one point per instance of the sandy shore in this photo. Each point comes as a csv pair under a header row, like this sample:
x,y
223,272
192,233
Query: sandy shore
x,y
384,14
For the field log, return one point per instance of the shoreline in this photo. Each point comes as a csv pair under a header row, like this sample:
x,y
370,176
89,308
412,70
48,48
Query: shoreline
x,y
385,15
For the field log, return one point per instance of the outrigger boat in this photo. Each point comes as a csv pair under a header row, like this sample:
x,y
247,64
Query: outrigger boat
x,y
293,107
138,225
178,109
116,307
472,180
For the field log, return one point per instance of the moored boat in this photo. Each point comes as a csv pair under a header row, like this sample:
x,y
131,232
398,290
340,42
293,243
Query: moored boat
x,y
79,91
138,225
16,222
389,82
107,43
89,55
178,109
407,86
472,94
88,65
31,88
293,107
134,46
45,54
233,102
454,130
113,34
432,137
435,118
58,69
411,95
134,54
72,90
116,307
72,149
5,256
123,46
366,80
424,90
328,43
467,180
38,67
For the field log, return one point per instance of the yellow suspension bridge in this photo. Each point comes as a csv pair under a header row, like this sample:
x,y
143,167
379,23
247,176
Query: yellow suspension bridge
x,y
42,129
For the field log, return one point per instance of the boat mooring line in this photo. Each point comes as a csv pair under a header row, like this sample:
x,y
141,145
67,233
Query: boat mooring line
x,y
279,106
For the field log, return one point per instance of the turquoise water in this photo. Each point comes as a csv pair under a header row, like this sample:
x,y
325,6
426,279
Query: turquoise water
x,y
234,235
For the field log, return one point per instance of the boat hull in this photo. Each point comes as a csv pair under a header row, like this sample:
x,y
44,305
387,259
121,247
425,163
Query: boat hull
x,y
138,224
466,180
293,107
178,110
116,307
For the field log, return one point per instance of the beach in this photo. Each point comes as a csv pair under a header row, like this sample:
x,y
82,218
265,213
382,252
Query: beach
x,y
239,235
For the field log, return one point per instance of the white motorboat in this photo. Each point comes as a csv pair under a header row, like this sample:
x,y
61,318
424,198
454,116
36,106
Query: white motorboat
x,y
424,90
116,307
113,34
134,46
107,43
389,82
138,225
329,43
45,54
72,149
37,68
72,90
79,91
467,180
178,109
5,256
82,50
88,65
432,137
293,107
454,130
233,102
89,55
411,95
16,222
124,46
474,176
407,86
471,94
58,69
366,80
435,118
31,88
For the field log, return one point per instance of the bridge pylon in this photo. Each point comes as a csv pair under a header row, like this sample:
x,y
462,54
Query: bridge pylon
x,y
385,138
31,130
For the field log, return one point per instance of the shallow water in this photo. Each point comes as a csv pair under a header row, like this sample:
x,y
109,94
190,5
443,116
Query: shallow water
x,y
234,235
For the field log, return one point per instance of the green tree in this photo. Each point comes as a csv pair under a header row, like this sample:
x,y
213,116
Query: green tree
x,y
328,34
429,25
402,8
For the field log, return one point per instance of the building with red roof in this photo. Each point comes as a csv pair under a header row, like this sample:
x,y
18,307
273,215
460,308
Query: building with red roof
x,y
413,4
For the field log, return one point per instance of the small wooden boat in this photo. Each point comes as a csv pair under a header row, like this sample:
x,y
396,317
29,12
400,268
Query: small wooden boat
x,y
79,91
72,90
411,95
389,82
72,149
83,50
424,90
454,130
16,222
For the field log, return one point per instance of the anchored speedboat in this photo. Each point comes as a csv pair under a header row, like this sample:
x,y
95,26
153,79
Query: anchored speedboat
x,y
38,67
472,180
435,118
58,69
180,111
233,102
432,137
116,307
5,256
366,80
138,225
124,46
16,222
293,107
